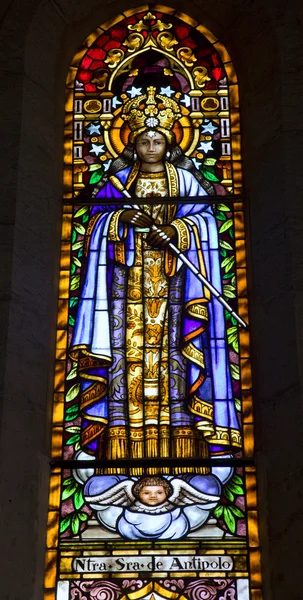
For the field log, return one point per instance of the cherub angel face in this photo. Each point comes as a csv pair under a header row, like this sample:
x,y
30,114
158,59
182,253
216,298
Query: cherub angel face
x,y
152,495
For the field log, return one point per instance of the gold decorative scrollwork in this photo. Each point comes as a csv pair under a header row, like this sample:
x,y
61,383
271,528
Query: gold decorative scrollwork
x,y
161,26
187,56
100,78
114,56
140,26
133,72
134,41
200,76
167,41
149,16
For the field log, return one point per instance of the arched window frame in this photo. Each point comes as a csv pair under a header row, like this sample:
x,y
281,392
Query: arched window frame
x,y
72,133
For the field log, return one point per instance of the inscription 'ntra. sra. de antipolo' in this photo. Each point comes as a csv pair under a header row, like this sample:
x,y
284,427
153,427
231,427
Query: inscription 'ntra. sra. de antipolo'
x,y
152,563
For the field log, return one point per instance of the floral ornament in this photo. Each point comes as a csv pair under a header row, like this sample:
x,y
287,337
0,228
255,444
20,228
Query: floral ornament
x,y
115,55
152,122
187,56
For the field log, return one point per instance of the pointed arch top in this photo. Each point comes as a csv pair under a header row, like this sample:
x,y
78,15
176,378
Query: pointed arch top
x,y
185,62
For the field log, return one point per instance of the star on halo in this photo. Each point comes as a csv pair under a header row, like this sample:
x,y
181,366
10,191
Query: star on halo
x,y
133,92
209,128
116,102
97,149
94,128
167,91
186,100
205,147
197,163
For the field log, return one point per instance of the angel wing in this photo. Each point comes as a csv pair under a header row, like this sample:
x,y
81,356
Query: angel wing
x,y
102,490
185,494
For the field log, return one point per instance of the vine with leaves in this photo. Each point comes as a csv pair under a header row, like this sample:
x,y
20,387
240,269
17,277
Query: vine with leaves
x,y
74,518
228,511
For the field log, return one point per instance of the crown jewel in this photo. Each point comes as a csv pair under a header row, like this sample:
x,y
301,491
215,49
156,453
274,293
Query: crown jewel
x,y
151,111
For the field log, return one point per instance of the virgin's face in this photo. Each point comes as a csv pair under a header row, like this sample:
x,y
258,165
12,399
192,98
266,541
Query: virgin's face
x,y
151,149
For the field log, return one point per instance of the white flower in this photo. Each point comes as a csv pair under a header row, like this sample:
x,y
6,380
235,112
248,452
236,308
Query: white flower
x,y
152,122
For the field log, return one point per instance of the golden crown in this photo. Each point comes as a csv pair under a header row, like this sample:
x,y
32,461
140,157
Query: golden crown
x,y
151,111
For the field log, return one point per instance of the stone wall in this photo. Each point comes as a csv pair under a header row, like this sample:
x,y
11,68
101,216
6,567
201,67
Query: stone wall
x,y
37,41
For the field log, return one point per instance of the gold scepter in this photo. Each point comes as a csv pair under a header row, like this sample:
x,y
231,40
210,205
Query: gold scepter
x,y
120,187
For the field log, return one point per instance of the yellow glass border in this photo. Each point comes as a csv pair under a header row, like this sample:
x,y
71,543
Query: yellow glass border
x,y
62,320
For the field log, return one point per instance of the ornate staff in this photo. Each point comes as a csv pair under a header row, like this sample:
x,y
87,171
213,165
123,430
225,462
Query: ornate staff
x,y
119,186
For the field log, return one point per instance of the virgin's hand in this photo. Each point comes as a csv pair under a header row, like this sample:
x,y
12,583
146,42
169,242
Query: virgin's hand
x,y
155,239
136,217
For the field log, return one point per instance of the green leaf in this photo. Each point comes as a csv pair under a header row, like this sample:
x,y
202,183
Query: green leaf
x,y
73,301
228,263
76,261
228,494
234,321
237,511
71,410
235,488
232,339
73,429
218,511
77,446
229,519
237,478
73,372
231,330
74,236
231,233
65,523
223,207
77,245
209,174
83,516
79,228
78,499
69,490
85,218
75,524
75,282
73,439
223,253
80,253
220,215
73,269
72,392
71,417
71,320
81,211
97,176
238,404
94,167
226,226
228,275
226,245
228,293
68,481
235,371
235,345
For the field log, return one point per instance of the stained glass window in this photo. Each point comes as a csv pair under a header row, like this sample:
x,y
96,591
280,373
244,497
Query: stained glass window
x,y
153,484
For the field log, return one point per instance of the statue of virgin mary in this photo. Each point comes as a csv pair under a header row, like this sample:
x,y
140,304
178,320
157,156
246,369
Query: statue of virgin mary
x,y
149,338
